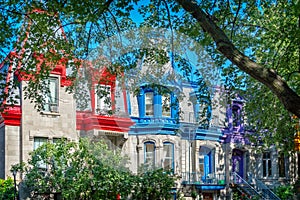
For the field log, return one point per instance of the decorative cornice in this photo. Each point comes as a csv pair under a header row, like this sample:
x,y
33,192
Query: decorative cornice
x,y
12,115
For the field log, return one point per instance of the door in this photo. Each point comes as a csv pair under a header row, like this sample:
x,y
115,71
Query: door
x,y
237,162
207,196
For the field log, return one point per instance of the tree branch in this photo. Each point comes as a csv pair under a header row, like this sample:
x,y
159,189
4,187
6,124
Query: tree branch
x,y
268,77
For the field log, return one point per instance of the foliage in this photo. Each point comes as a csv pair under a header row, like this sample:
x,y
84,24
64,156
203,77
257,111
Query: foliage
x,y
127,31
77,170
285,192
7,189
89,170
153,184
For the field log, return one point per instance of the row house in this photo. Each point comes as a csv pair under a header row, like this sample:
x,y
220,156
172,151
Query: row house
x,y
23,127
157,116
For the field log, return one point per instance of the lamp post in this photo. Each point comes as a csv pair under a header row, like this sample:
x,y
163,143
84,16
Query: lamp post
x,y
14,172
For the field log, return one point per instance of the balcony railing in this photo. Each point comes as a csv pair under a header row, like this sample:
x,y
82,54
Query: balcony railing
x,y
197,178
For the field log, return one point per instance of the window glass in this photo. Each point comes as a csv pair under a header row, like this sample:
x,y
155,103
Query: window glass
x,y
39,141
168,157
51,95
235,116
166,102
267,165
149,103
281,165
103,99
149,154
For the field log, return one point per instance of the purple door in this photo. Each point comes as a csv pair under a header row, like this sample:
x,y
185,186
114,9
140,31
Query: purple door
x,y
237,162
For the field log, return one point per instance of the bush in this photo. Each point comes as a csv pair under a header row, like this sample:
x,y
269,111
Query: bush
x,y
7,189
284,192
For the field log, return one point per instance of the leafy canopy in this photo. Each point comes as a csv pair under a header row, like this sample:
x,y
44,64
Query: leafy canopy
x,y
259,37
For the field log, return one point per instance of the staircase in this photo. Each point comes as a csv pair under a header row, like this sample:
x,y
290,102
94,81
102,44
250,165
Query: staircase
x,y
259,189
244,187
265,191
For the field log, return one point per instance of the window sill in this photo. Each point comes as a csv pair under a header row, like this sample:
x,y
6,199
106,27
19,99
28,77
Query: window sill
x,y
50,113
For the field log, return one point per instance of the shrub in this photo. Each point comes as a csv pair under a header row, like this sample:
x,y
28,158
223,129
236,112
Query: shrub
x,y
7,189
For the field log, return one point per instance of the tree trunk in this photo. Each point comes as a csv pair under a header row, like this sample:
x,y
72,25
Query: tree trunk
x,y
269,77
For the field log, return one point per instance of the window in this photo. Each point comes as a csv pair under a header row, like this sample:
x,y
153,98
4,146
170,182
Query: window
x,y
166,102
103,99
39,141
281,165
149,154
267,165
149,103
235,116
51,95
168,157
206,157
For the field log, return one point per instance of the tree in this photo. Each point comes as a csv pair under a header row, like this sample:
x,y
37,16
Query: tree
x,y
84,170
259,38
89,170
153,184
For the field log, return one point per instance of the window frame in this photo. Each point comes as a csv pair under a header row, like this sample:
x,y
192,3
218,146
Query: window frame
x,y
152,153
105,108
170,158
281,165
149,107
50,106
267,164
41,164
166,105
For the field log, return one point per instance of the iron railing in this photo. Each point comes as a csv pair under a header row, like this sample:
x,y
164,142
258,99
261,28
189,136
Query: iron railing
x,y
265,190
201,179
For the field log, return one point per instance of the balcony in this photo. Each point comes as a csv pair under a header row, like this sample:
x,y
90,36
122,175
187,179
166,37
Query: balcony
x,y
213,181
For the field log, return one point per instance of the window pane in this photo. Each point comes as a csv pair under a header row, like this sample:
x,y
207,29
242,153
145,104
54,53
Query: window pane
x,y
267,164
168,158
38,142
149,103
166,102
51,95
281,165
103,99
149,154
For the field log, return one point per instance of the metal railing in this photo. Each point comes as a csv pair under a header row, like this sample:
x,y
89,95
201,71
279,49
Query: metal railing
x,y
237,179
265,190
201,179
